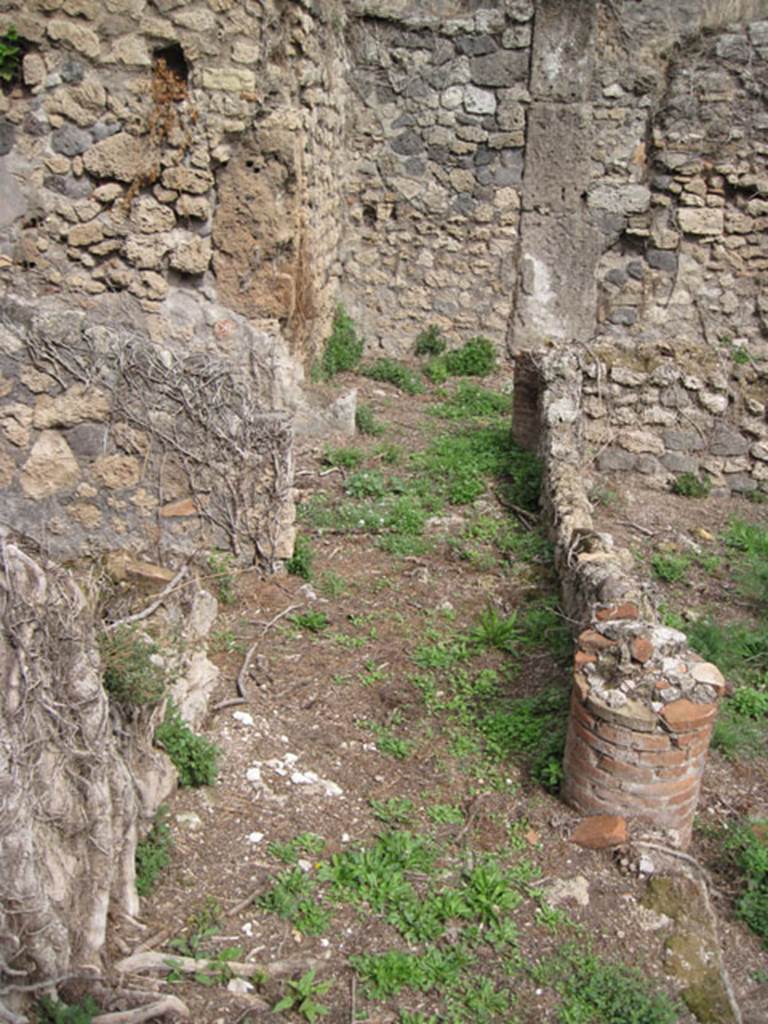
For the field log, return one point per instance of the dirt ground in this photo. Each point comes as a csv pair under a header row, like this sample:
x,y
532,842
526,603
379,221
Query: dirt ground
x,y
301,756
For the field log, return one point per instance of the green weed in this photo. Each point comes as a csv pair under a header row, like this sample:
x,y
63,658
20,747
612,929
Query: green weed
x,y
311,620
594,991
344,458
332,585
293,897
51,1011
134,675
495,630
153,853
390,371
388,743
469,400
10,55
477,358
670,567
225,641
366,423
691,486
302,996
221,565
290,851
194,757
344,347
300,562
393,811
750,541
445,814
531,728
430,342
389,453
368,483
748,846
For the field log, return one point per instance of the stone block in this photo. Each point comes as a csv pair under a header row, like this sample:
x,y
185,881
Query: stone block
x,y
700,221
50,468
479,101
229,79
121,156
726,441
500,69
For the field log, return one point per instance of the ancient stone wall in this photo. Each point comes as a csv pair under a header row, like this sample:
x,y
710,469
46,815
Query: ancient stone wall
x,y
437,117
163,150
107,442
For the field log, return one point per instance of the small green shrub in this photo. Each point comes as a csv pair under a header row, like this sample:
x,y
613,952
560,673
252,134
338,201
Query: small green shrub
x,y
300,562
751,542
153,853
475,359
671,567
221,565
10,55
390,371
691,486
194,757
494,630
302,997
133,673
311,620
51,1011
343,349
368,483
470,400
748,846
344,458
430,342
366,423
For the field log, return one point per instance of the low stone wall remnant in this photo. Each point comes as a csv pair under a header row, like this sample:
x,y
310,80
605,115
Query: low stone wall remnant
x,y
643,703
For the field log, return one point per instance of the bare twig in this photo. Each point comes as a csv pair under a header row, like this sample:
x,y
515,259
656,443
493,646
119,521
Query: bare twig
x,y
231,703
242,675
638,527
166,592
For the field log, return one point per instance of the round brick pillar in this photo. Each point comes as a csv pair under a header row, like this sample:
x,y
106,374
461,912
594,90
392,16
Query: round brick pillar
x,y
635,762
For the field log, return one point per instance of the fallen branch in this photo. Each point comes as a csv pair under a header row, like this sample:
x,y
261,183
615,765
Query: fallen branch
x,y
242,675
160,1008
153,961
165,592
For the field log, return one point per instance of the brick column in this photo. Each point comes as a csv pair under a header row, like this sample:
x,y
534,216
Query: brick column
x,y
629,751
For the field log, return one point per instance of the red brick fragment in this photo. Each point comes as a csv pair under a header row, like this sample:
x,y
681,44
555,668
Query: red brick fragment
x,y
685,716
591,641
625,610
580,658
600,832
641,649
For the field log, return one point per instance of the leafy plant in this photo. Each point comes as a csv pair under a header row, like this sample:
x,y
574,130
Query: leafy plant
x,y
390,371
430,342
290,851
224,640
598,992
311,620
344,458
344,347
477,358
394,811
388,743
367,483
532,728
302,996
751,542
366,423
194,757
470,400
51,1011
494,630
292,896
221,565
691,486
153,853
134,673
332,585
670,567
748,846
300,562
10,54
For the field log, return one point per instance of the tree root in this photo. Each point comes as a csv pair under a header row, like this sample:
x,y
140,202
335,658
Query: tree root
x,y
139,963
168,1005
